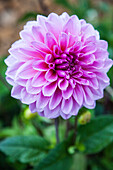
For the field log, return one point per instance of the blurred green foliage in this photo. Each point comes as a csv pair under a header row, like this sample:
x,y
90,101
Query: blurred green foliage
x,y
29,140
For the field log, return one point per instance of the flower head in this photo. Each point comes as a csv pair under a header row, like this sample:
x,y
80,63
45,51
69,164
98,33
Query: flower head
x,y
58,66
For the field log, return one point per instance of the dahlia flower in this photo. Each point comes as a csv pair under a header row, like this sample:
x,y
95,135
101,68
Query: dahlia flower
x,y
59,65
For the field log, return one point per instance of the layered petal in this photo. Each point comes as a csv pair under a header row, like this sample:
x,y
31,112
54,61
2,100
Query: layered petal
x,y
59,65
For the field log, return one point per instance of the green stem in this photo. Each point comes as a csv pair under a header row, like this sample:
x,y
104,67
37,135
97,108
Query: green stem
x,y
57,129
67,128
75,130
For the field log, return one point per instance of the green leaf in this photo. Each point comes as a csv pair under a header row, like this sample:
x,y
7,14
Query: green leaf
x,y
63,2
3,88
79,162
28,16
17,129
65,163
97,134
25,148
56,157
3,66
107,164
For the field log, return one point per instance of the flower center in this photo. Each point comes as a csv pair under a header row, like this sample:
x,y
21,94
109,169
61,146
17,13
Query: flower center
x,y
63,62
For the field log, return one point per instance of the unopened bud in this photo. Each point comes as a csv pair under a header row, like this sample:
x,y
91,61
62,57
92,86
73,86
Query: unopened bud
x,y
85,118
28,114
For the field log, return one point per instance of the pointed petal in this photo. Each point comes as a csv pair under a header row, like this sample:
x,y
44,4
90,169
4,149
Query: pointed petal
x,y
49,89
42,101
64,16
89,49
87,30
72,40
51,75
75,108
67,105
31,52
9,60
38,33
40,65
93,82
97,94
20,81
50,40
78,94
16,91
63,84
41,21
73,25
32,90
54,28
65,116
39,79
27,98
25,71
40,46
88,97
68,92
49,58
55,99
51,114
82,81
10,80
87,59
54,18
12,71
63,41
19,55
26,36
102,44
102,76
32,107
101,54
